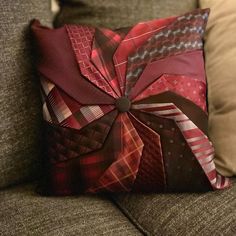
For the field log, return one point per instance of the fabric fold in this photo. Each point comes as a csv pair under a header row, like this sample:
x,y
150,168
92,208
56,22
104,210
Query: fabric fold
x,y
189,64
134,38
182,85
151,176
120,176
126,109
104,45
196,139
183,35
58,64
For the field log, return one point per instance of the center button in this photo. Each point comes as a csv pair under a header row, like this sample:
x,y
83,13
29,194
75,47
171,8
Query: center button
x,y
123,104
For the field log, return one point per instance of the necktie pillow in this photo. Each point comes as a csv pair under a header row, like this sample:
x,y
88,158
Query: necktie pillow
x,y
125,110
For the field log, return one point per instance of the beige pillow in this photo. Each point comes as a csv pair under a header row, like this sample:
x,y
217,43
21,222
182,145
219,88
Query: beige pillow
x,y
220,52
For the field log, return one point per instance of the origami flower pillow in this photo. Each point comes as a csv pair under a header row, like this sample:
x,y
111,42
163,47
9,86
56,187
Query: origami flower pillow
x,y
125,110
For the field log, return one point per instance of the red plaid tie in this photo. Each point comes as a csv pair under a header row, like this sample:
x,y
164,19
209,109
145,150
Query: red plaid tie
x,y
81,38
122,173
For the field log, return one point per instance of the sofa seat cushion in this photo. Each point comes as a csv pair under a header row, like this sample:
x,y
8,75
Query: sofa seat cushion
x,y
24,212
212,213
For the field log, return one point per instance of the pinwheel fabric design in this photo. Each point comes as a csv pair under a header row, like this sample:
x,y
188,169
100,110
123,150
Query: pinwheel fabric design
x,y
125,110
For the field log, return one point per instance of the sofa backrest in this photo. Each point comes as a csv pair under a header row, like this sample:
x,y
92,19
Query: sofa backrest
x,y
120,13
20,112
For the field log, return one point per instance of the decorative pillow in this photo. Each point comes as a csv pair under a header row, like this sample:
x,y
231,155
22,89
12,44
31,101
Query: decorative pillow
x,y
125,110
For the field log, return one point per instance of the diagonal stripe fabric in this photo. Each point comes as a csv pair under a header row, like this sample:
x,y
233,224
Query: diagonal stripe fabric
x,y
182,169
203,150
59,108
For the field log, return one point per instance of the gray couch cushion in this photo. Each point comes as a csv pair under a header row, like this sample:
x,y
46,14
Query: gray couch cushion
x,y
116,14
212,213
20,112
23,212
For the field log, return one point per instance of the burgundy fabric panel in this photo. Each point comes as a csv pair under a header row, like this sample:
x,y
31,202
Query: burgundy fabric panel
x,y
183,172
58,64
151,174
190,109
66,143
189,63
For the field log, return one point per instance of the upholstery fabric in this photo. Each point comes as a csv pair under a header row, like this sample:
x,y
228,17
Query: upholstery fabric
x,y
23,212
97,83
212,213
19,97
220,51
117,14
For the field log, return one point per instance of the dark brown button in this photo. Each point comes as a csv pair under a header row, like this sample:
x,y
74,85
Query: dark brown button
x,y
123,104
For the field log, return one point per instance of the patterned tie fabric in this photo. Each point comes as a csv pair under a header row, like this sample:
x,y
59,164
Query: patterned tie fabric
x,y
126,110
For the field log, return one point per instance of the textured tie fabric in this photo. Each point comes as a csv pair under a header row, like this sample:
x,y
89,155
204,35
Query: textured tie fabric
x,y
182,35
126,110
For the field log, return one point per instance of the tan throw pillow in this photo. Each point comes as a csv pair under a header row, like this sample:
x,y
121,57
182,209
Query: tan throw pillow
x,y
220,51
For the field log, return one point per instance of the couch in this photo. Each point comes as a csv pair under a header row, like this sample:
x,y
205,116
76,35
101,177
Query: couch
x,y
23,211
